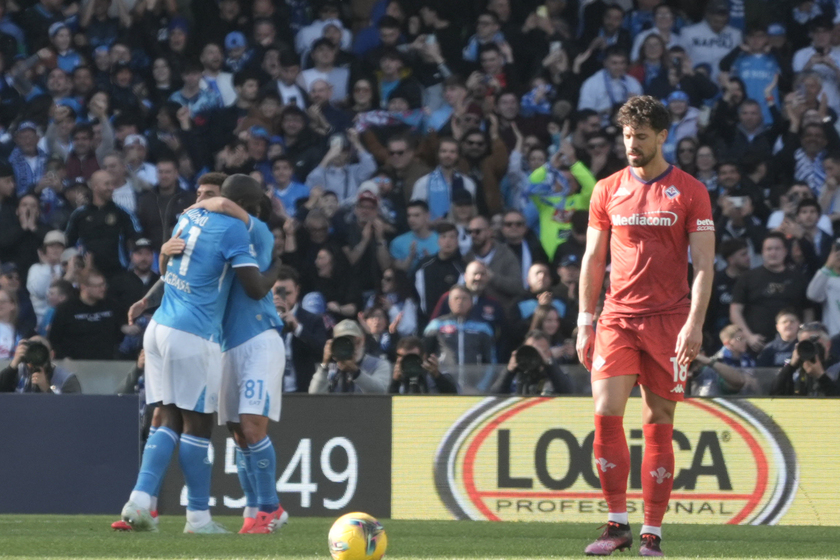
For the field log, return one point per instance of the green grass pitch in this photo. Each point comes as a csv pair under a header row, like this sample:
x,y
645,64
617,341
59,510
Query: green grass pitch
x,y
90,536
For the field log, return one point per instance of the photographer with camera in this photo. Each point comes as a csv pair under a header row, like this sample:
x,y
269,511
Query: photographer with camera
x,y
806,373
531,370
346,368
416,372
32,371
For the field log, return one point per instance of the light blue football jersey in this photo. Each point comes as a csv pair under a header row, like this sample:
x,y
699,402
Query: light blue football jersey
x,y
198,281
245,318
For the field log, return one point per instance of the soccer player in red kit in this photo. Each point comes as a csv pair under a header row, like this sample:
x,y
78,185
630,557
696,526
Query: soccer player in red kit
x,y
651,215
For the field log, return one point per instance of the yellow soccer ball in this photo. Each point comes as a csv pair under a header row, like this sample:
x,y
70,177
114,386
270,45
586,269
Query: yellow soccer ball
x,y
357,536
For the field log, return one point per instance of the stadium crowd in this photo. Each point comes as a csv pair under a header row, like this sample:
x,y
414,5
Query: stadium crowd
x,y
427,168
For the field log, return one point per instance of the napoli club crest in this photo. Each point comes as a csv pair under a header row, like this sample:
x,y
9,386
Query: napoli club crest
x,y
672,192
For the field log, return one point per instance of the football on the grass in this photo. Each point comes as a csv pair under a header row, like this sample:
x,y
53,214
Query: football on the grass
x,y
357,536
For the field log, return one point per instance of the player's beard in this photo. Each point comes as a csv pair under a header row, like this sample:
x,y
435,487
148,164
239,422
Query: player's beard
x,y
641,160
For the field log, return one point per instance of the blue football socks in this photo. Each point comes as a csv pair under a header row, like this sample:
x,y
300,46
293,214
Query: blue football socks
x,y
246,476
156,455
264,467
195,463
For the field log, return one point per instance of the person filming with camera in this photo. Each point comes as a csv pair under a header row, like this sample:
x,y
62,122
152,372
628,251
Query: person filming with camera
x,y
33,371
531,370
346,368
416,372
807,372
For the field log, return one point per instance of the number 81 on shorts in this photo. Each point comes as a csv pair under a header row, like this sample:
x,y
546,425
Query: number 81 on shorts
x,y
680,371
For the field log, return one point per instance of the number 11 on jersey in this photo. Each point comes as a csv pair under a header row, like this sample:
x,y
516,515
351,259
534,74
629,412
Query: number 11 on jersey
x,y
192,239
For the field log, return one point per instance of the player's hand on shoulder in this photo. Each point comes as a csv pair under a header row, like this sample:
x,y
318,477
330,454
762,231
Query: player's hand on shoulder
x,y
174,246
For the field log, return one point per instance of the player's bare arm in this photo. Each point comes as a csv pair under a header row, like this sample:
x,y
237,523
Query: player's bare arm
x,y
257,284
702,248
152,299
593,268
221,205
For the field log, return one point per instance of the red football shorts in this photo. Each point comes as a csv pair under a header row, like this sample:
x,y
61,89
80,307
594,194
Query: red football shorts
x,y
642,346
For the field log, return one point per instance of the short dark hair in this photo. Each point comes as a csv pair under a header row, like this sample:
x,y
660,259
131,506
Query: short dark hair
x,y
167,158
616,50
243,189
808,202
63,286
388,22
288,273
644,110
445,227
449,140
729,162
282,157
212,178
288,58
489,47
406,137
775,235
787,311
192,66
410,343
418,204
323,42
240,78
85,128
732,246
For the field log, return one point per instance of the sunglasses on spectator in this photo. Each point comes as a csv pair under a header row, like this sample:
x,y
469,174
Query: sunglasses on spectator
x,y
397,152
477,231
474,142
686,150
388,278
514,224
596,145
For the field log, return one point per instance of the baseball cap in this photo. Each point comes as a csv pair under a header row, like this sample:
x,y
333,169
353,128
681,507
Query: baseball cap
x,y
570,260
142,243
179,23
27,125
8,268
235,40
259,132
55,236
369,186
56,27
135,139
6,169
314,303
678,95
367,196
68,254
718,7
776,30
347,327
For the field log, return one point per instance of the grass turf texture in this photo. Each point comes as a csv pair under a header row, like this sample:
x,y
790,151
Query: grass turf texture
x,y
90,536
